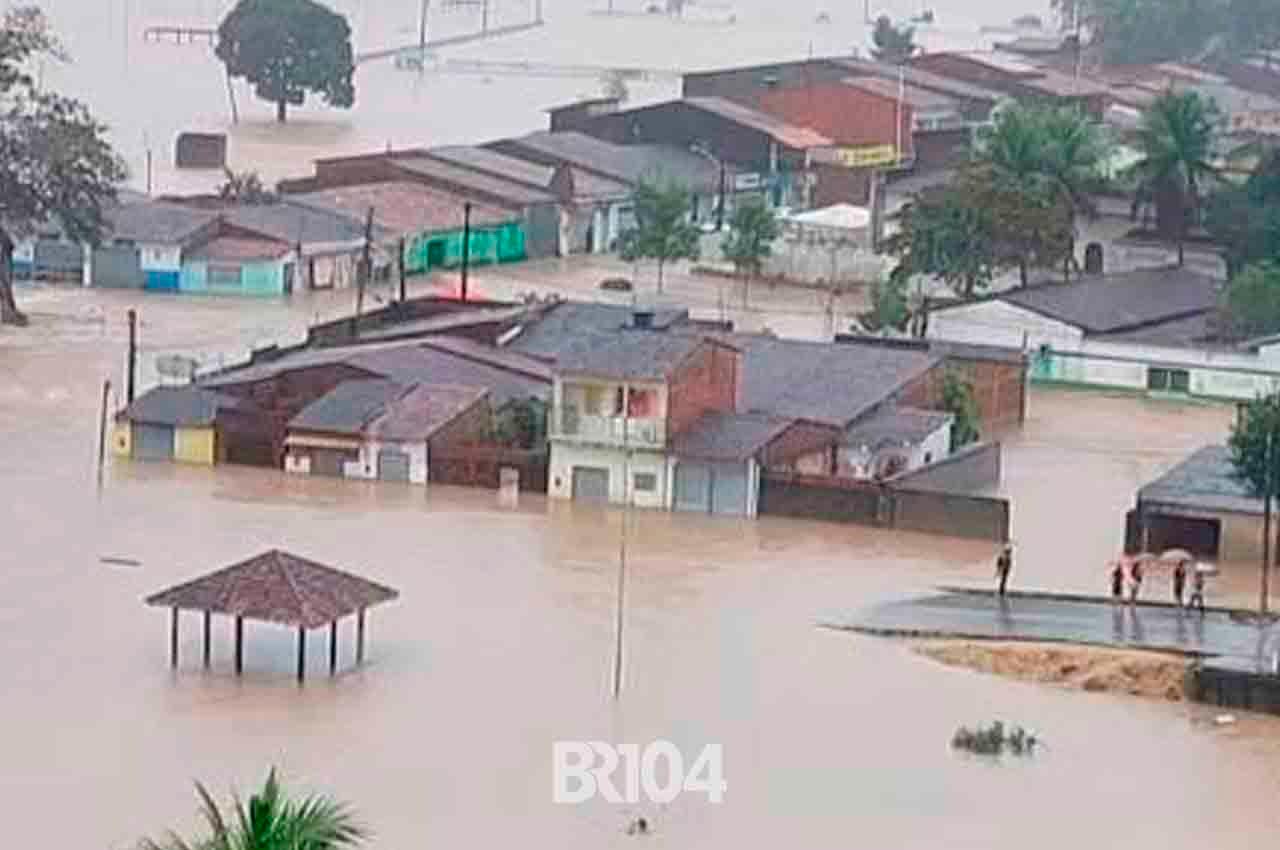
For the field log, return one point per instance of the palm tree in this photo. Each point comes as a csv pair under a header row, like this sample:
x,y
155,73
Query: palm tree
x,y
1059,150
1176,137
270,822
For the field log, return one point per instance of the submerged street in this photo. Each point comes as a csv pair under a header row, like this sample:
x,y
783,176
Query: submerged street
x,y
501,642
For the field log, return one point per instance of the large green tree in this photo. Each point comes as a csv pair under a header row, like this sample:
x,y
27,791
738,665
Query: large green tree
x,y
1054,154
1251,301
942,233
1255,454
1245,220
752,231
1176,137
892,43
662,231
269,821
287,49
56,165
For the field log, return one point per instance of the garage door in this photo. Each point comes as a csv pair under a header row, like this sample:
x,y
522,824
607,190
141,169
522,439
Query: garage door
x,y
393,465
693,487
590,484
153,442
329,461
729,490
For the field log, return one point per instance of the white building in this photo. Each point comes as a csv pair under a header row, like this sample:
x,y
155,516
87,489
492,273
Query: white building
x,y
1149,330
894,440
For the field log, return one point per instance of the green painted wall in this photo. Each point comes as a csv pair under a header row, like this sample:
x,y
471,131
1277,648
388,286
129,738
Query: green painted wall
x,y
194,277
443,249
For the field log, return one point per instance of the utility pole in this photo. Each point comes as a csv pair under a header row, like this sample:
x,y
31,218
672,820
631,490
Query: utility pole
x,y
131,365
1269,461
484,16
422,32
466,246
622,548
720,203
102,428
366,267
400,259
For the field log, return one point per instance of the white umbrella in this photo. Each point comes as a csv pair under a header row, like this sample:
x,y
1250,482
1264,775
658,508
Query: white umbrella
x,y
1205,568
1173,556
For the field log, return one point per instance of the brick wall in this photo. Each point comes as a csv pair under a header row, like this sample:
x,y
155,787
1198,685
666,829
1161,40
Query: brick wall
x,y
839,185
999,388
707,381
472,426
802,440
845,114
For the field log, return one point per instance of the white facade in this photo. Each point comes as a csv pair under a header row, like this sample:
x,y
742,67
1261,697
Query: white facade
x,y
623,465
160,257
365,467
861,461
1061,353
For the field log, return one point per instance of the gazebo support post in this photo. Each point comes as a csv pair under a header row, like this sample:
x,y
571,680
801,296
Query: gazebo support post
x,y
208,624
360,637
173,638
239,645
333,647
302,653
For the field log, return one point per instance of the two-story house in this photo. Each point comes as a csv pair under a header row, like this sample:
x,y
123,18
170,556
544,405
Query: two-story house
x,y
648,418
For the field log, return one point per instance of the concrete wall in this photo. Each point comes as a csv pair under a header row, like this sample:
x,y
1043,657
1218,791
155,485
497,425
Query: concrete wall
x,y
951,514
622,468
973,469
367,466
1002,324
122,439
858,462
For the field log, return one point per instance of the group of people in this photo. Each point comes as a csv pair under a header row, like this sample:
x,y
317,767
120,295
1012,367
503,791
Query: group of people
x,y
1127,570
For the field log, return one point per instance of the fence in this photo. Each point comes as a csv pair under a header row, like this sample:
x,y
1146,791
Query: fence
x,y
481,466
937,499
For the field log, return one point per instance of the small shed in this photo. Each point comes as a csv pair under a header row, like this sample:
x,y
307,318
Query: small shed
x,y
275,587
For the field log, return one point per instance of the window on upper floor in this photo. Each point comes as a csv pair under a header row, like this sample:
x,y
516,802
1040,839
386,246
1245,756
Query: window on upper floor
x,y
642,403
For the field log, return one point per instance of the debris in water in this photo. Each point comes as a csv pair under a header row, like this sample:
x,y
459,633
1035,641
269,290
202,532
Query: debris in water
x,y
639,826
119,562
1224,720
993,740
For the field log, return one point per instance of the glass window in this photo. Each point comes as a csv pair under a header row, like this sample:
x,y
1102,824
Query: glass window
x,y
645,482
1169,380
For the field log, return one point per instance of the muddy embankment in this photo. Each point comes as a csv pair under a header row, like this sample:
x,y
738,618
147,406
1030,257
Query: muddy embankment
x,y
1143,674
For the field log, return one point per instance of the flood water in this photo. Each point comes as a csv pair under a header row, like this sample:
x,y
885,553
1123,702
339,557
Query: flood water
x,y
501,644
148,92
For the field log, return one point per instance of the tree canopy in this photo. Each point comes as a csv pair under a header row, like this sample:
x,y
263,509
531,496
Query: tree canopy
x,y
1176,137
1131,31
270,821
1250,304
662,231
892,43
753,229
287,49
1245,220
958,400
56,166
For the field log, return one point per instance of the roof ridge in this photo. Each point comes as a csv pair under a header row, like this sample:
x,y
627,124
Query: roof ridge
x,y
278,563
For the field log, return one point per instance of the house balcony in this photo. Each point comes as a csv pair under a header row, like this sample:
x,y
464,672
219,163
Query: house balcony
x,y
632,432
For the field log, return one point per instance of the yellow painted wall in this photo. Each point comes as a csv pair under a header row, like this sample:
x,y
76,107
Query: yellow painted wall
x,y
194,445
122,439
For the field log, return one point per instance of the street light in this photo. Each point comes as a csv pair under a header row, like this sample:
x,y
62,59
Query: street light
x,y
703,151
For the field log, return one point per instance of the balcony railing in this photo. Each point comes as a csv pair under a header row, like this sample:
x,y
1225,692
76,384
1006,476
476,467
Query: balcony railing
x,y
611,430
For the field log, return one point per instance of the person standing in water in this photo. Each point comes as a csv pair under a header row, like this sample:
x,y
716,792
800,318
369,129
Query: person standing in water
x,y
1135,580
1179,582
1117,581
1004,566
1197,591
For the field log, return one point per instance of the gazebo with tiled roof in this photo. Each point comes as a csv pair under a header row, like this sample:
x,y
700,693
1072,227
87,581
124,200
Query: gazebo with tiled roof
x,y
275,587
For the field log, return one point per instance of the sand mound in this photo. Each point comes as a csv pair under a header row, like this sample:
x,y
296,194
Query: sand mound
x,y
1144,674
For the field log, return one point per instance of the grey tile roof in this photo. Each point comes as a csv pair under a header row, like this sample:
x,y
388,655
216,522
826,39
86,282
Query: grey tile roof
x,y
496,164
458,178
791,135
894,426
629,354
184,406
829,383
422,411
1118,302
923,79
727,436
627,163
407,362
547,336
348,407
1205,481
157,222
293,223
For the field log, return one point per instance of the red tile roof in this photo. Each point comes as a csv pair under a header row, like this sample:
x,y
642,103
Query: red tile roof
x,y
846,114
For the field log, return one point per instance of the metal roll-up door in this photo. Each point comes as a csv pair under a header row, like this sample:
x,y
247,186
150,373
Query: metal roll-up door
x,y
729,490
590,484
153,442
393,465
329,462
693,487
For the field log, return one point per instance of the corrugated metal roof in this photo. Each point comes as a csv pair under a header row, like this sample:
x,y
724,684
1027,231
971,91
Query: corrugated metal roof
x,y
181,407
496,189
799,138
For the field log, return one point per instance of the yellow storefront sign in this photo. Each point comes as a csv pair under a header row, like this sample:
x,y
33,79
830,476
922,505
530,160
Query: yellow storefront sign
x,y
867,156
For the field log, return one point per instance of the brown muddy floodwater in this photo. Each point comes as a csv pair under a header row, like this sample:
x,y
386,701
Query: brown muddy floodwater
x,y
501,642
